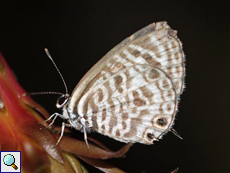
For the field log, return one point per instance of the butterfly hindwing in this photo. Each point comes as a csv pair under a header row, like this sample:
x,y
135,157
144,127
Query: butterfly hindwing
x,y
132,93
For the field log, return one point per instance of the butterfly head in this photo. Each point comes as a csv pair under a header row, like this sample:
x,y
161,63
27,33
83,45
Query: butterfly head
x,y
62,101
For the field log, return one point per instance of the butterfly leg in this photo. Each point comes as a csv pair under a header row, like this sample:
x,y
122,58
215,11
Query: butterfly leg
x,y
62,132
55,115
48,118
85,137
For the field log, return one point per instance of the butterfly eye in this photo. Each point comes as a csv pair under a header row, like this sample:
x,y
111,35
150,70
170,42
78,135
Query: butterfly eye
x,y
62,100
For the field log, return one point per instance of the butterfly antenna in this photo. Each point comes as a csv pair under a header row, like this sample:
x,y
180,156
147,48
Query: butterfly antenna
x,y
48,54
42,93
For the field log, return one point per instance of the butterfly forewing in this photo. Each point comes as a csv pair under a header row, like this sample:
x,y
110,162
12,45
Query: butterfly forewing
x,y
131,94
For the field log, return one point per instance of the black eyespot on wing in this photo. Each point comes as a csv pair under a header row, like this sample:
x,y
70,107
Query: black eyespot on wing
x,y
162,121
150,136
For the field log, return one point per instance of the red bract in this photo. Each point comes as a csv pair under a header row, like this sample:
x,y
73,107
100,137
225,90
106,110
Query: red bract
x,y
21,131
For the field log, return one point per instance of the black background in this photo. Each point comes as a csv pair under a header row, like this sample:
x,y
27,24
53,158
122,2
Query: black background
x,y
79,33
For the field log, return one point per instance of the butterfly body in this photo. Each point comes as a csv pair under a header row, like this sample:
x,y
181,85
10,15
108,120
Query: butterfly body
x,y
132,93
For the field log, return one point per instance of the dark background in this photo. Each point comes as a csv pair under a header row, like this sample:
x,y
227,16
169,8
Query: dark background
x,y
79,33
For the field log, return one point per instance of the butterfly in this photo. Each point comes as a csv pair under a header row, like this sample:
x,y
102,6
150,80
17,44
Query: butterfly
x,y
132,93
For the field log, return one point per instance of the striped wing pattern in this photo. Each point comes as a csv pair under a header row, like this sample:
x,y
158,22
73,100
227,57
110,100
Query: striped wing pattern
x,y
132,92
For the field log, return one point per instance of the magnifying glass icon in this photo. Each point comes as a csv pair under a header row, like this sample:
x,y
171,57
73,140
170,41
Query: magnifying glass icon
x,y
9,160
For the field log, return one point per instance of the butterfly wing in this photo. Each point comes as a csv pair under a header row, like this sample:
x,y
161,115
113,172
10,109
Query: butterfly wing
x,y
131,94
